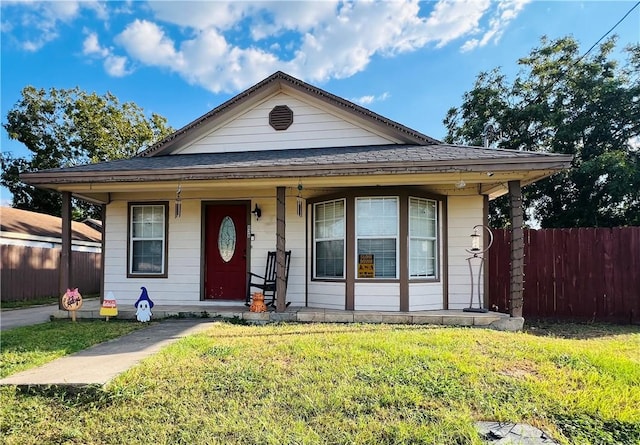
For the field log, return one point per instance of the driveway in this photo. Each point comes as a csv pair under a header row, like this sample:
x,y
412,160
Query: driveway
x,y
13,318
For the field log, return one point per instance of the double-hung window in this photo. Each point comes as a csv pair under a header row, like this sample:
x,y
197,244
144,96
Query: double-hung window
x,y
423,244
329,235
377,234
147,240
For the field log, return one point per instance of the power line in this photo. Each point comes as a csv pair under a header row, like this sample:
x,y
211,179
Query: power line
x,y
607,33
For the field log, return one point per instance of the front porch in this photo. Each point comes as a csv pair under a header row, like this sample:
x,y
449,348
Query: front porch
x,y
490,320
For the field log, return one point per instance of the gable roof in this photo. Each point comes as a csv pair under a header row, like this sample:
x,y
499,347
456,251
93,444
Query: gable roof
x,y
280,81
39,224
401,152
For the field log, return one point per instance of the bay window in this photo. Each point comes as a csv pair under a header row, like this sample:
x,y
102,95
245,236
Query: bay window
x,y
368,235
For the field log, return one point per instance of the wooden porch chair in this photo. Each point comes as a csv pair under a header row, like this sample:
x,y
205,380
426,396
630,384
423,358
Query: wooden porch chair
x,y
267,283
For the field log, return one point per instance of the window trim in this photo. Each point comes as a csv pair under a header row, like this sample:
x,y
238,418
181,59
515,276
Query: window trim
x,y
397,237
436,238
314,271
165,272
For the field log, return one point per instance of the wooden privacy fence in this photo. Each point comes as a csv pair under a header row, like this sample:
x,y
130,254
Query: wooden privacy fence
x,y
582,273
33,272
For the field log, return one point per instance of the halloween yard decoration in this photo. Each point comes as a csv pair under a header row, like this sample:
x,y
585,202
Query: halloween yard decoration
x,y
72,301
109,307
143,306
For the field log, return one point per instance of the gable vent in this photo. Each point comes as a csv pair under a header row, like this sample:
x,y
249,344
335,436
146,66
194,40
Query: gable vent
x,y
281,117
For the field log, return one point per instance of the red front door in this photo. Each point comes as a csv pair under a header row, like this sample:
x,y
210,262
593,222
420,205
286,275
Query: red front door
x,y
226,252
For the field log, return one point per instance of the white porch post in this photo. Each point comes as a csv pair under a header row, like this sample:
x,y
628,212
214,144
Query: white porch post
x,y
281,286
65,252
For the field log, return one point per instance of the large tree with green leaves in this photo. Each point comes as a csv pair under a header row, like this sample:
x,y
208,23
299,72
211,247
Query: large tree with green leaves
x,y
66,127
565,102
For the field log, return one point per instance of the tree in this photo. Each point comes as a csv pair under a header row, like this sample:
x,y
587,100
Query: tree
x,y
561,102
66,127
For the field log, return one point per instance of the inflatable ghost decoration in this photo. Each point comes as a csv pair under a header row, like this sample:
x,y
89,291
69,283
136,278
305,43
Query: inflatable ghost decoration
x,y
143,306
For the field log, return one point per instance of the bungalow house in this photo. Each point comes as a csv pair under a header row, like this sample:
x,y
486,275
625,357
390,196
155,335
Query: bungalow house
x,y
377,216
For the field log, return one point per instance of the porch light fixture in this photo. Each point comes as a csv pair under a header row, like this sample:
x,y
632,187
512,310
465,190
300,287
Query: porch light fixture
x,y
257,212
299,200
178,209
477,251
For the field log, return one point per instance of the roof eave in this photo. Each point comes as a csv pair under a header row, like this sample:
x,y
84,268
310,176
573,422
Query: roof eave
x,y
49,179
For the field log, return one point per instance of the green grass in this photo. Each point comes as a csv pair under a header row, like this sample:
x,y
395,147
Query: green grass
x,y
25,347
351,384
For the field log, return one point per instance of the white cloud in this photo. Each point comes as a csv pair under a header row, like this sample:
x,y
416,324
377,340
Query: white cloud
x,y
229,45
368,100
115,66
505,12
147,42
38,21
91,46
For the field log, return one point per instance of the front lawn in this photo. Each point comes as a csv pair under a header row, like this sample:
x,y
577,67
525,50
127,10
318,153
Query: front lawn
x,y
25,347
344,384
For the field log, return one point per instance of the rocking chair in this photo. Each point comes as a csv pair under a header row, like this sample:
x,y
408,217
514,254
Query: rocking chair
x,y
267,283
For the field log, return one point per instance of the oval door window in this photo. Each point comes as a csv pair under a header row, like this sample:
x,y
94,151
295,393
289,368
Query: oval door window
x,y
227,239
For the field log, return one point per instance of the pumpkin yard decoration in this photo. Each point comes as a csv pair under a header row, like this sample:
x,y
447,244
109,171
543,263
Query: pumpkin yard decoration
x,y
257,304
72,301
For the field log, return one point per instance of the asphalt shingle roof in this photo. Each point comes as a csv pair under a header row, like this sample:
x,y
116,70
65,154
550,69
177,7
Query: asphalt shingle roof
x,y
385,154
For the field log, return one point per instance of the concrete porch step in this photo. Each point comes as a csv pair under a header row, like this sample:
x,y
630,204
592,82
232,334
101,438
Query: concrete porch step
x,y
493,320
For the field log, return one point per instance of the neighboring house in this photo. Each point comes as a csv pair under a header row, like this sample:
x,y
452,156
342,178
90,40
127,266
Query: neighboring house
x,y
31,244
377,215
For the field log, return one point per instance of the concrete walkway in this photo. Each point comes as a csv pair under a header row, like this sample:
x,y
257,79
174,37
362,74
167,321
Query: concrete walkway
x,y
13,318
101,363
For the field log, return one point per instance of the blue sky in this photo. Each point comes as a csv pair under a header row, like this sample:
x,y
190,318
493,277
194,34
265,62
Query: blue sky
x,y
409,61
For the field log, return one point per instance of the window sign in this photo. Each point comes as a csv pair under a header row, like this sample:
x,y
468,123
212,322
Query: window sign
x,y
366,266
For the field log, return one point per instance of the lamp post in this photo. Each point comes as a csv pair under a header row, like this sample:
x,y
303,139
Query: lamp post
x,y
477,251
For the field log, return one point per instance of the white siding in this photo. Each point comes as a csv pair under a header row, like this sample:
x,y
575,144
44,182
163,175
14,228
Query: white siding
x,y
312,127
265,240
425,296
326,295
183,284
463,212
377,296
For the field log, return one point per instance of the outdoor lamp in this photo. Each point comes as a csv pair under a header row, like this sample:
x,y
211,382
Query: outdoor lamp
x,y
475,240
256,211
477,251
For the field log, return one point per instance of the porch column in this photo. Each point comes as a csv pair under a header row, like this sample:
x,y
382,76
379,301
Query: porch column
x,y
65,252
517,250
103,213
281,287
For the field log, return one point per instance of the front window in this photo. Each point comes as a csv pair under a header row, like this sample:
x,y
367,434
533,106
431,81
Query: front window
x,y
329,232
147,239
377,236
422,238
